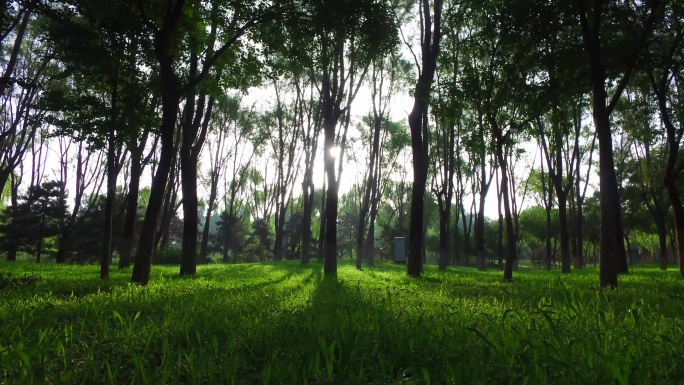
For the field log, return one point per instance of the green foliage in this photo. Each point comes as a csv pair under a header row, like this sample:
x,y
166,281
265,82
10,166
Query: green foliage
x,y
169,256
38,216
286,324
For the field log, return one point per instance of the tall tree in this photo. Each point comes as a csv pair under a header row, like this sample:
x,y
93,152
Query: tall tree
x,y
667,82
385,75
430,16
169,31
348,35
594,16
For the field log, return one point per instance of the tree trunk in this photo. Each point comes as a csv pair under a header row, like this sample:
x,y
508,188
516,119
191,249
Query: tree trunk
x,y
499,238
579,231
564,230
366,201
444,233
612,250
191,121
190,216
419,140
511,256
168,212
331,199
370,240
14,185
41,228
480,220
672,169
106,256
321,232
14,55
418,123
678,212
466,235
143,259
213,192
307,196
131,211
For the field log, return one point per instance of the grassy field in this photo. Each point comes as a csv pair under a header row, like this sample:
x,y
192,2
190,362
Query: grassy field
x,y
281,323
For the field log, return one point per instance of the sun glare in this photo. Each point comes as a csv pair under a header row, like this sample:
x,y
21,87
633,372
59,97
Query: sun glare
x,y
334,151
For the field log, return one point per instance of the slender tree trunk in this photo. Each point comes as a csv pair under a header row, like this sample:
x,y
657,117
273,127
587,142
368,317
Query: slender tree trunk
x,y
370,240
510,231
169,211
368,190
213,192
579,230
321,232
331,199
418,123
466,234
672,171
308,192
564,230
14,55
480,220
444,236
131,211
190,215
109,205
499,238
41,228
678,212
14,185
143,259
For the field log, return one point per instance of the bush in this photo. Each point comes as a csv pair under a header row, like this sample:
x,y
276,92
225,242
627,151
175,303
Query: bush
x,y
170,256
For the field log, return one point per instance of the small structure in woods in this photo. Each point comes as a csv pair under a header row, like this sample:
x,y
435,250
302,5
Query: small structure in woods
x,y
399,250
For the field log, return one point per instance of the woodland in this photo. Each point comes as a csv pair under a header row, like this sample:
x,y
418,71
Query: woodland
x,y
213,191
132,133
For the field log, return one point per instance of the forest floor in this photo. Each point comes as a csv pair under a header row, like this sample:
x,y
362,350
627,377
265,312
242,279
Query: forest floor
x,y
280,323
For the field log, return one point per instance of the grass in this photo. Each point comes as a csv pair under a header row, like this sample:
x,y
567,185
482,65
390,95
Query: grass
x,y
280,323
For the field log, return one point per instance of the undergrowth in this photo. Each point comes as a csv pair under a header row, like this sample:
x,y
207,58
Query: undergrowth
x,y
280,323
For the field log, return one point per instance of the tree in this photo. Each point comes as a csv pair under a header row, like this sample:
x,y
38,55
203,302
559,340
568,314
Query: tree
x,y
226,117
666,81
287,156
37,216
21,89
431,32
387,74
168,29
594,17
100,44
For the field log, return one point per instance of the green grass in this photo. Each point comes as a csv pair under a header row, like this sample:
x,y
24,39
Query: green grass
x,y
280,323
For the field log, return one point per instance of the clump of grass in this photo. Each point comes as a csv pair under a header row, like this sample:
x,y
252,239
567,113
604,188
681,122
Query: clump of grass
x,y
282,323
9,280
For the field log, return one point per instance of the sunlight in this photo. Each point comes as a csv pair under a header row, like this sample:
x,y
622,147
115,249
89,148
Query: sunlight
x,y
334,151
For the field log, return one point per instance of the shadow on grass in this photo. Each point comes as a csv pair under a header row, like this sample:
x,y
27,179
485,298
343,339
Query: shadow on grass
x,y
284,323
